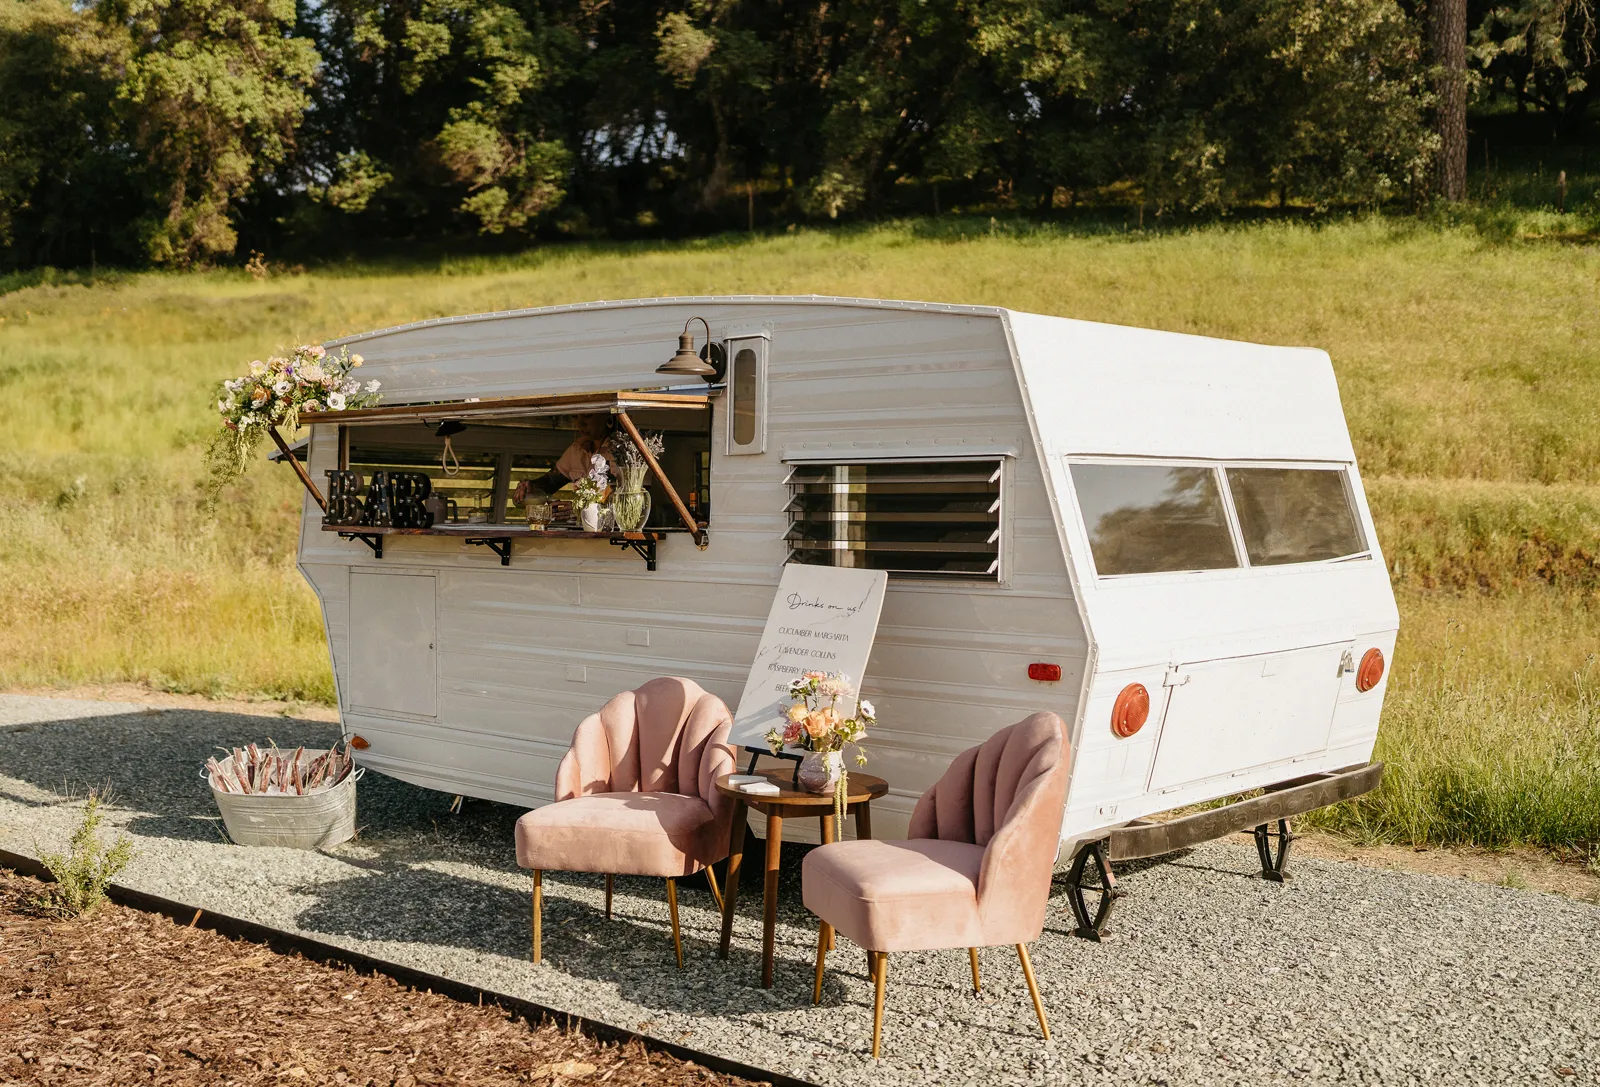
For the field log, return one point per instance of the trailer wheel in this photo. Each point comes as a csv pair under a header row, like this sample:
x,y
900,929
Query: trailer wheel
x,y
1274,865
1092,926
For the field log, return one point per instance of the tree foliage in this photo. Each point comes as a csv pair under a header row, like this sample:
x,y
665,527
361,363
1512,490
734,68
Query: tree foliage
x,y
181,131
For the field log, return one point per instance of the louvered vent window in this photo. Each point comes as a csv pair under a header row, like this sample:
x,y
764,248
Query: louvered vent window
x,y
936,519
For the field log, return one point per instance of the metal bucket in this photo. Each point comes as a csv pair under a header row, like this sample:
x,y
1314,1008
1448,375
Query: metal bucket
x,y
310,821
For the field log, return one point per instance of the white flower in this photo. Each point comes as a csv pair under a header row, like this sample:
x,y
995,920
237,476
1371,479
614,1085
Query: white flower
x,y
356,360
311,374
282,388
257,368
233,386
336,401
224,405
866,708
374,385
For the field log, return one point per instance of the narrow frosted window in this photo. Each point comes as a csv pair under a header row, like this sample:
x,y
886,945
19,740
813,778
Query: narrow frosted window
x,y
1146,518
1295,514
744,396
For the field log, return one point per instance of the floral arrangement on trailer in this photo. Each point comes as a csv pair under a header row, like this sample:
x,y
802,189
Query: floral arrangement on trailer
x,y
816,723
630,502
273,394
590,490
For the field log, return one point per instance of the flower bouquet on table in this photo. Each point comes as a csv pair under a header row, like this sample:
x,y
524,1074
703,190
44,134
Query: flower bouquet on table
x,y
590,491
817,724
273,394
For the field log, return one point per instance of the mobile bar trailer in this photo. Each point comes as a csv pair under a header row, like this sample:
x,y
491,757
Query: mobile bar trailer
x,y
1161,537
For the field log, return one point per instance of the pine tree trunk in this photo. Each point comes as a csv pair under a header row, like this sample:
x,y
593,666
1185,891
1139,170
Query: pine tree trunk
x,y
1448,28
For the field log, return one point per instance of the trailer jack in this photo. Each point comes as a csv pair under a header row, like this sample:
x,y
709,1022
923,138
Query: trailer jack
x,y
1092,928
1274,866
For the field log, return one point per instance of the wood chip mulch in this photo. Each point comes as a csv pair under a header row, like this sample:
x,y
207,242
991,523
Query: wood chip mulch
x,y
123,997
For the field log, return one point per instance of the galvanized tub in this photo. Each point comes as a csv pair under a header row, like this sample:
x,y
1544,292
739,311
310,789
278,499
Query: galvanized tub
x,y
312,820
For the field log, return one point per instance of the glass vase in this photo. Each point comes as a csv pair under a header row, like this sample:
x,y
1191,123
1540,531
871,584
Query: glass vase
x,y
820,771
631,509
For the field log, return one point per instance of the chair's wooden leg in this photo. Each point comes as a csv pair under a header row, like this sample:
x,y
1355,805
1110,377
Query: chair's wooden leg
x,y
881,977
827,839
716,892
538,915
972,953
1033,987
824,938
609,880
672,908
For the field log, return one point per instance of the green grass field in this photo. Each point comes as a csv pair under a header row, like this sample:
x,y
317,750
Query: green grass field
x,y
1469,368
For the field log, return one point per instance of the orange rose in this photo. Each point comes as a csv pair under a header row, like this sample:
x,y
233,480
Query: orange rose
x,y
819,723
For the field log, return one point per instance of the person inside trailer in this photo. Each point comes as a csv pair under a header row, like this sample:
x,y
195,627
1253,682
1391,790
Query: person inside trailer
x,y
595,435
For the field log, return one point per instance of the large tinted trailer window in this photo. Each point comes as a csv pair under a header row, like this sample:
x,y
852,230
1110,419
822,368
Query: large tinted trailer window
x,y
1146,518
1295,514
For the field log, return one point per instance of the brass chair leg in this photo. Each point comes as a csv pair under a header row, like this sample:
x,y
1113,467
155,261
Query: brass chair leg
x,y
824,938
972,953
609,879
672,908
716,892
881,972
538,915
1033,987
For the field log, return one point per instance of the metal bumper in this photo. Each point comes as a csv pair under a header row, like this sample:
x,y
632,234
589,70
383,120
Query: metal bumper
x,y
1148,839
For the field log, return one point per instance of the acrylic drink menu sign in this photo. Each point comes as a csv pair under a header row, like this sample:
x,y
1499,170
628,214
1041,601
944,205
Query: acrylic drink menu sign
x,y
823,619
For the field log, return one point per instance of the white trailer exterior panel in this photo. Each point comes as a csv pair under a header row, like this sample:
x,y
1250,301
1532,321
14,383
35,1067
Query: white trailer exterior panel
x,y
1245,666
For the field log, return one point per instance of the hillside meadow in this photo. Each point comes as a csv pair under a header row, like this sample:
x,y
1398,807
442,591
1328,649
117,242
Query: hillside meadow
x,y
1469,369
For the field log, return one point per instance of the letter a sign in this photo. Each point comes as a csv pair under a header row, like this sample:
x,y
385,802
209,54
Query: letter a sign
x,y
823,620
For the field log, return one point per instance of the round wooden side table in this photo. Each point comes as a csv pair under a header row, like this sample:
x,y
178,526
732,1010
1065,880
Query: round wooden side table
x,y
788,803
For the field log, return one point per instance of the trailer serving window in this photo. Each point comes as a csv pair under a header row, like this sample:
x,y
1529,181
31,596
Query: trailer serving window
x,y
453,468
914,518
1145,518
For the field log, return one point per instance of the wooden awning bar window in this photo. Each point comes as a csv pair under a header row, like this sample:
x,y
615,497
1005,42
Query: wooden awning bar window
x,y
615,403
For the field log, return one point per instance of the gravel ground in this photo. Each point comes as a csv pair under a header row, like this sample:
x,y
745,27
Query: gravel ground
x,y
1344,974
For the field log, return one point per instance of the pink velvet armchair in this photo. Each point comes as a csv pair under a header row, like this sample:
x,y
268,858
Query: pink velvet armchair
x,y
636,796
974,871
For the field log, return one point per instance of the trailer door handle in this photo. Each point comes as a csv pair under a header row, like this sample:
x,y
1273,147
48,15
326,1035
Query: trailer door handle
x,y
1174,678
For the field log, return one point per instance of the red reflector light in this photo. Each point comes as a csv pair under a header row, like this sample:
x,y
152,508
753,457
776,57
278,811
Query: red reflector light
x,y
1371,670
1130,711
359,743
1044,673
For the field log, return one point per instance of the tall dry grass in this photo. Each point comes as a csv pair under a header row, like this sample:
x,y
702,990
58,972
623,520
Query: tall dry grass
x,y
1466,366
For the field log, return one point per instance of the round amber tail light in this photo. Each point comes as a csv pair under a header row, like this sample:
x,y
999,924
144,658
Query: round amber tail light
x,y
1131,710
1371,670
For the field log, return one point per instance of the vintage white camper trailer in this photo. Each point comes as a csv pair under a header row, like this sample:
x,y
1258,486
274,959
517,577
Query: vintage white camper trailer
x,y
1161,537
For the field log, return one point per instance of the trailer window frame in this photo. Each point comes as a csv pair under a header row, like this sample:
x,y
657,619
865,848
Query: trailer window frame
x,y
1219,469
999,472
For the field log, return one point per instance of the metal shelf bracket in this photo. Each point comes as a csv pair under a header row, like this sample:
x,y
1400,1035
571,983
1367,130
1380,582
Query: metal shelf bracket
x,y
372,540
500,545
645,549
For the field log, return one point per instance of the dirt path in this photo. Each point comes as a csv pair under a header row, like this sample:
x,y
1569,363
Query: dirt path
x,y
125,997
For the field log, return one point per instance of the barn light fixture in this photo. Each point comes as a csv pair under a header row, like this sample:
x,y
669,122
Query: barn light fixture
x,y
688,363
1131,709
1371,670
